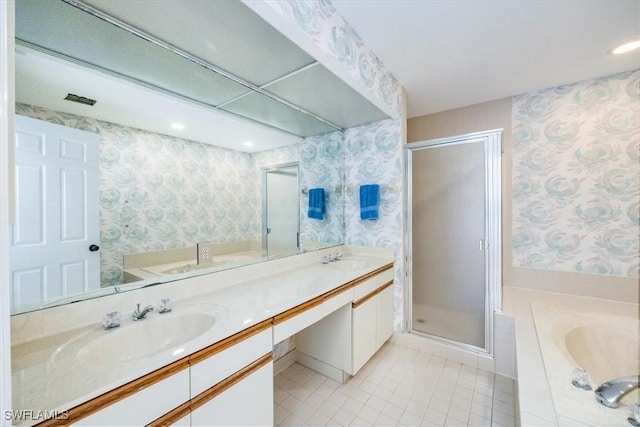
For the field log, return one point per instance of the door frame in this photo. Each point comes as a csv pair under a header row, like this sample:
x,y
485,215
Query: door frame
x,y
264,171
7,102
493,229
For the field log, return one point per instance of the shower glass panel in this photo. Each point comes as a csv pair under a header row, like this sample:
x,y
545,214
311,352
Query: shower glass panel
x,y
448,241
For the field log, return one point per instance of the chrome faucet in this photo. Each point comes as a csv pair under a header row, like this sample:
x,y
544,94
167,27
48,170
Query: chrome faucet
x,y
611,392
140,314
331,258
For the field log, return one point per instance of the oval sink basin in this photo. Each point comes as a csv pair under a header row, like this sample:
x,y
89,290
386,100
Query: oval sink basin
x,y
148,336
166,332
349,264
191,267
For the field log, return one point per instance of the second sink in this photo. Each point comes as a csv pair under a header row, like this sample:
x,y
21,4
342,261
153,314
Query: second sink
x,y
349,264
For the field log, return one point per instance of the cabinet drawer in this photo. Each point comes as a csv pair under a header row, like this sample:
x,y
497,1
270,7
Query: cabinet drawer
x,y
233,355
144,406
334,302
370,285
293,321
248,403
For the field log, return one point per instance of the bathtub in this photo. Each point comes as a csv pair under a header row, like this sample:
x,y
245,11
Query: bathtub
x,y
597,335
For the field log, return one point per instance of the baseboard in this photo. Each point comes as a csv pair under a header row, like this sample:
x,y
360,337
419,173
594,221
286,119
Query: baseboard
x,y
284,362
322,368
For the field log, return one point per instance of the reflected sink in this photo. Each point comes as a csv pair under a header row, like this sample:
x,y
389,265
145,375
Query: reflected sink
x,y
350,264
220,260
191,267
131,341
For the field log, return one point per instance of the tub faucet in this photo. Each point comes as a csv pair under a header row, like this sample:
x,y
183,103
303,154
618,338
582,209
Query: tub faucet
x,y
611,392
140,314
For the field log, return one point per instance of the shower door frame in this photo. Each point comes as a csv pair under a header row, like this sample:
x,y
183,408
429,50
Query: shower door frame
x,y
493,230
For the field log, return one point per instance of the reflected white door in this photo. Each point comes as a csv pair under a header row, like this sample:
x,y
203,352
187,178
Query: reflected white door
x,y
282,210
56,234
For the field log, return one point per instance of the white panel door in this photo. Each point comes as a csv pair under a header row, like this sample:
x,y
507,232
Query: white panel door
x,y
55,238
283,210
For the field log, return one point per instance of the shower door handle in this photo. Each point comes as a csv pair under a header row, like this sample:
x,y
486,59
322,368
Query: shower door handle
x,y
482,244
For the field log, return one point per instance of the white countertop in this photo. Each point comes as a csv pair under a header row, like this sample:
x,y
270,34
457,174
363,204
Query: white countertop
x,y
39,383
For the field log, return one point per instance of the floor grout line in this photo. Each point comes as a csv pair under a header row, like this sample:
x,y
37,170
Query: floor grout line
x,y
439,392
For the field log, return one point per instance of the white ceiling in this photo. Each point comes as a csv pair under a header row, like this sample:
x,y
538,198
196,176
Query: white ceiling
x,y
449,54
120,101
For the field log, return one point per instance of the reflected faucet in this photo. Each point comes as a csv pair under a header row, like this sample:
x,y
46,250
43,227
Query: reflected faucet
x,y
611,392
140,314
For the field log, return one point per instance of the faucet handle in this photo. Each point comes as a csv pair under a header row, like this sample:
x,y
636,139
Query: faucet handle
x,y
165,305
634,414
111,320
581,379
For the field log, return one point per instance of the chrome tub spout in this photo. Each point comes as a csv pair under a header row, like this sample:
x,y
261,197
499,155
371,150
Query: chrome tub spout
x,y
611,392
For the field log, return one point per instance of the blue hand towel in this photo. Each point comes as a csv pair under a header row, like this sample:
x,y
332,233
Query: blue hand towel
x,y
369,201
316,203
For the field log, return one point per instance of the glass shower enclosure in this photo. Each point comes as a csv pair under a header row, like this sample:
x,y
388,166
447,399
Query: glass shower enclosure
x,y
454,238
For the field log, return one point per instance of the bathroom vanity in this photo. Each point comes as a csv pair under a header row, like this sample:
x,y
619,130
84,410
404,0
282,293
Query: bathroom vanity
x,y
202,362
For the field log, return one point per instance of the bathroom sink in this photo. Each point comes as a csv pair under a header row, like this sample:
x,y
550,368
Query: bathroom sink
x,y
191,267
350,264
148,336
131,341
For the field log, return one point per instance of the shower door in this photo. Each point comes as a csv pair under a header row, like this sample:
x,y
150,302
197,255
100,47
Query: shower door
x,y
451,217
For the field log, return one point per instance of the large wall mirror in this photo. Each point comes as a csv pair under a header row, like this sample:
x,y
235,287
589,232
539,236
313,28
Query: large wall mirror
x,y
206,123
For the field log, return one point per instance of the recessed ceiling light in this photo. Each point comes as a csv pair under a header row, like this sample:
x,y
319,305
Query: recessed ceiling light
x,y
248,144
627,47
177,126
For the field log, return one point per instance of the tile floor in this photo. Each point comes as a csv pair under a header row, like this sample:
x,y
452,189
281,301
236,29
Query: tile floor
x,y
397,387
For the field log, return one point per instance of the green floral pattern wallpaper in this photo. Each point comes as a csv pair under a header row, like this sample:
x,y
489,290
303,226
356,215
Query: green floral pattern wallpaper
x,y
160,192
576,176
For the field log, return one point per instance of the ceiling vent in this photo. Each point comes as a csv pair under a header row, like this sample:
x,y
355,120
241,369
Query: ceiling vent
x,y
79,99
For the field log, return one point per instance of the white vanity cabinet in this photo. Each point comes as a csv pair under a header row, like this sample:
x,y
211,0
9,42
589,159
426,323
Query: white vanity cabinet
x,y
372,320
363,333
249,402
384,314
211,387
342,342
232,381
139,402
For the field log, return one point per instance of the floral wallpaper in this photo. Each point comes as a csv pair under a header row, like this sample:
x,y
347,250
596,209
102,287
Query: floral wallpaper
x,y
321,22
208,196
322,166
212,194
374,155
575,177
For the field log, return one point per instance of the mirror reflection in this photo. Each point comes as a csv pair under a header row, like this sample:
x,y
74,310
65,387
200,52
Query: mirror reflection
x,y
154,206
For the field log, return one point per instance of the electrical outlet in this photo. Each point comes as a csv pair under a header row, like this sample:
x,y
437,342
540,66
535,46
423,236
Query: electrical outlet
x,y
205,252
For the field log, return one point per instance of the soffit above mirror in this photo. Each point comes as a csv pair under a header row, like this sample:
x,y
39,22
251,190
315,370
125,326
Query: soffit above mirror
x,y
263,76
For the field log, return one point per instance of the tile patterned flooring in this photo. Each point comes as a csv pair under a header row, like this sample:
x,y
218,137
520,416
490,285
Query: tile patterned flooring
x,y
399,386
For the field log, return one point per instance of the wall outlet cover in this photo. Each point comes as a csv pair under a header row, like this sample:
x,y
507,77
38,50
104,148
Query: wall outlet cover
x,y
205,252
